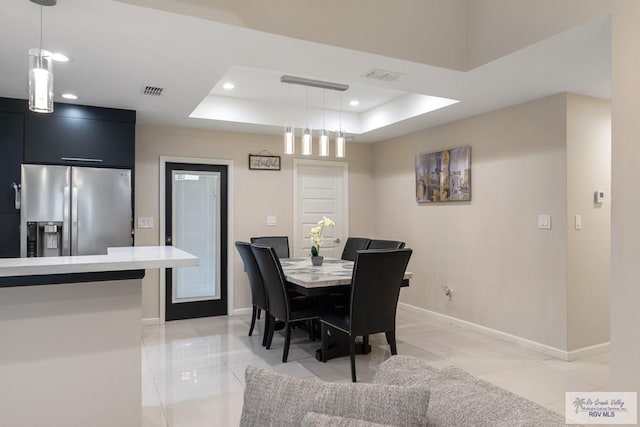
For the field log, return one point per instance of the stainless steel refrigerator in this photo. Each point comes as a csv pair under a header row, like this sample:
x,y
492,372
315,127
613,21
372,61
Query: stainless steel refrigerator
x,y
69,210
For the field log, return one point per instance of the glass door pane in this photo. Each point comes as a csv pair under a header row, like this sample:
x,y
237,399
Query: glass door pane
x,y
196,229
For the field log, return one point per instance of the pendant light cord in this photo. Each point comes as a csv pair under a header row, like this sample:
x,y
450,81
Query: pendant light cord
x,y
323,110
306,109
340,117
41,29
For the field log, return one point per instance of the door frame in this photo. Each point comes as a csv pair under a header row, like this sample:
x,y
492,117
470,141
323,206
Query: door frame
x,y
345,196
201,161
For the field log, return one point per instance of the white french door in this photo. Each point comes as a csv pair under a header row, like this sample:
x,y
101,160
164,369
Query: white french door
x,y
320,189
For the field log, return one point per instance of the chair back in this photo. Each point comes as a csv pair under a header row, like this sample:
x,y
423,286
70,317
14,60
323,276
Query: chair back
x,y
385,244
354,244
258,292
279,243
375,287
274,280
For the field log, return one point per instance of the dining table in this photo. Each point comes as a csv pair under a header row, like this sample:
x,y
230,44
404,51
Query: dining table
x,y
331,278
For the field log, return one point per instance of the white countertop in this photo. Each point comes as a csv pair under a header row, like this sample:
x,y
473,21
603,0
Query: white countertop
x,y
117,259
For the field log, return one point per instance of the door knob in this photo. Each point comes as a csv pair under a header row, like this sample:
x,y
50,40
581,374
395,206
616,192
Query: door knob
x,y
336,241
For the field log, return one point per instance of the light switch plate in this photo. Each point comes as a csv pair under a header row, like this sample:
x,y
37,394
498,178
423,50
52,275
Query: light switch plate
x,y
544,222
578,222
271,220
145,222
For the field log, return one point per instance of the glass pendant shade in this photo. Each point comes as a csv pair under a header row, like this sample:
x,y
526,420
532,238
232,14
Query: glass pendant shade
x,y
289,141
40,81
323,145
341,143
307,143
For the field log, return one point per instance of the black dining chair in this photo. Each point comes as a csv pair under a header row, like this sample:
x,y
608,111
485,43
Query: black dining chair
x,y
375,287
352,245
385,244
279,243
281,306
258,293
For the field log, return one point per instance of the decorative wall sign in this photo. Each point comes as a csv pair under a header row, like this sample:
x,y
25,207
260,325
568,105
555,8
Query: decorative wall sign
x,y
444,176
264,162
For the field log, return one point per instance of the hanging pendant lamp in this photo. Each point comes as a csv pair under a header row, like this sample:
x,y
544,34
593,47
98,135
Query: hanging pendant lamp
x,y
307,138
323,144
341,143
41,72
307,134
289,140
341,139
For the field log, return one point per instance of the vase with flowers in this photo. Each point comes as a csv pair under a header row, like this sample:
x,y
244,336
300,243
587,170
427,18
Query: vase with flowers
x,y
316,239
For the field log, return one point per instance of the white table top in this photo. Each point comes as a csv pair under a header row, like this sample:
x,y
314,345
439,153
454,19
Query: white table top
x,y
332,272
117,259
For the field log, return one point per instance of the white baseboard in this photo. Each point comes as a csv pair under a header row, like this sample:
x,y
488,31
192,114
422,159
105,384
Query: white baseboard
x,y
150,321
514,339
241,311
588,351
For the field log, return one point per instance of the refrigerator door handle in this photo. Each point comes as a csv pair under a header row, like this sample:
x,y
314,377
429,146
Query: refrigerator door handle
x,y
65,223
74,221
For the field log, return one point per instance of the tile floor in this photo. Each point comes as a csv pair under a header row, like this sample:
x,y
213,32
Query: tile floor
x,y
193,370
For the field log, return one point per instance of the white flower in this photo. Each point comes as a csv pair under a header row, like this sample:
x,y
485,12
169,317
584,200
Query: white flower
x,y
316,232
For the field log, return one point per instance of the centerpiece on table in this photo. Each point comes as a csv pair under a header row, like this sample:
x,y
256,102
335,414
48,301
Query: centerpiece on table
x,y
316,239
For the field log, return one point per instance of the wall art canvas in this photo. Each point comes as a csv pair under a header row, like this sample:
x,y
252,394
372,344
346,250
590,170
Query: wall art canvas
x,y
444,176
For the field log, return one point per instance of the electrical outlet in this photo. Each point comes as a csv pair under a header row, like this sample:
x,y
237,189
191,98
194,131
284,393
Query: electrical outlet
x,y
145,222
448,292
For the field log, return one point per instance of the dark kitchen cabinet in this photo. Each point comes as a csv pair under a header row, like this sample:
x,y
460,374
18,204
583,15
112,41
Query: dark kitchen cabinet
x,y
11,143
9,235
78,135
72,135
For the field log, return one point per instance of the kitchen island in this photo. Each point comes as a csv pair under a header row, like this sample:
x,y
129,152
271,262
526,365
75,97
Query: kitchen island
x,y
70,336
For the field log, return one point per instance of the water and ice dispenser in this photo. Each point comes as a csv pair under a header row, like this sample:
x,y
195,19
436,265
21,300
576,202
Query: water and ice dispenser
x,y
44,238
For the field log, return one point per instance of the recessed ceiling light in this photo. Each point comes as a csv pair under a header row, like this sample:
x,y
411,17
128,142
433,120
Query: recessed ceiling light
x,y
57,56
354,103
69,96
228,86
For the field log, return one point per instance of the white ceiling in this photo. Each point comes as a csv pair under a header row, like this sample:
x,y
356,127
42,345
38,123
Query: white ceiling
x,y
117,49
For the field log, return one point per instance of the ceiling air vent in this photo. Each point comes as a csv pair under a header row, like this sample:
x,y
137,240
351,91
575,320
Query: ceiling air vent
x,y
385,76
152,91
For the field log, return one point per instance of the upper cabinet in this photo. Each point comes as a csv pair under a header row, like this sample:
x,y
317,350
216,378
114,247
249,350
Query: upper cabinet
x,y
80,135
11,137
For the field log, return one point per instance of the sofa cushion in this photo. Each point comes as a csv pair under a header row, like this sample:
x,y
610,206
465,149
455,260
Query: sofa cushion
x,y
314,419
460,399
380,403
272,399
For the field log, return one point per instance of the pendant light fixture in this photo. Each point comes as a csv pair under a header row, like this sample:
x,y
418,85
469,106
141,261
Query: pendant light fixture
x,y
289,140
341,140
307,139
323,145
289,135
41,72
307,134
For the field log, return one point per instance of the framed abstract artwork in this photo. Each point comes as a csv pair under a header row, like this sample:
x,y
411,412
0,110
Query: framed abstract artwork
x,y
444,176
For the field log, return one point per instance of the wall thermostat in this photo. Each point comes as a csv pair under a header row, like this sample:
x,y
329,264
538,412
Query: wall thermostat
x,y
598,196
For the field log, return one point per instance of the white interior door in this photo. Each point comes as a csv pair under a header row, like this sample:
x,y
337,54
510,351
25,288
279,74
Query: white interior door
x,y
320,189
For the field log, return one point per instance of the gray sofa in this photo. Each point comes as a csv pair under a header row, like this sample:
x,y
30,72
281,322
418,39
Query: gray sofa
x,y
405,392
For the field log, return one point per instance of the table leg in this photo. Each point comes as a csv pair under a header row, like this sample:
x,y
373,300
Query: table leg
x,y
337,344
